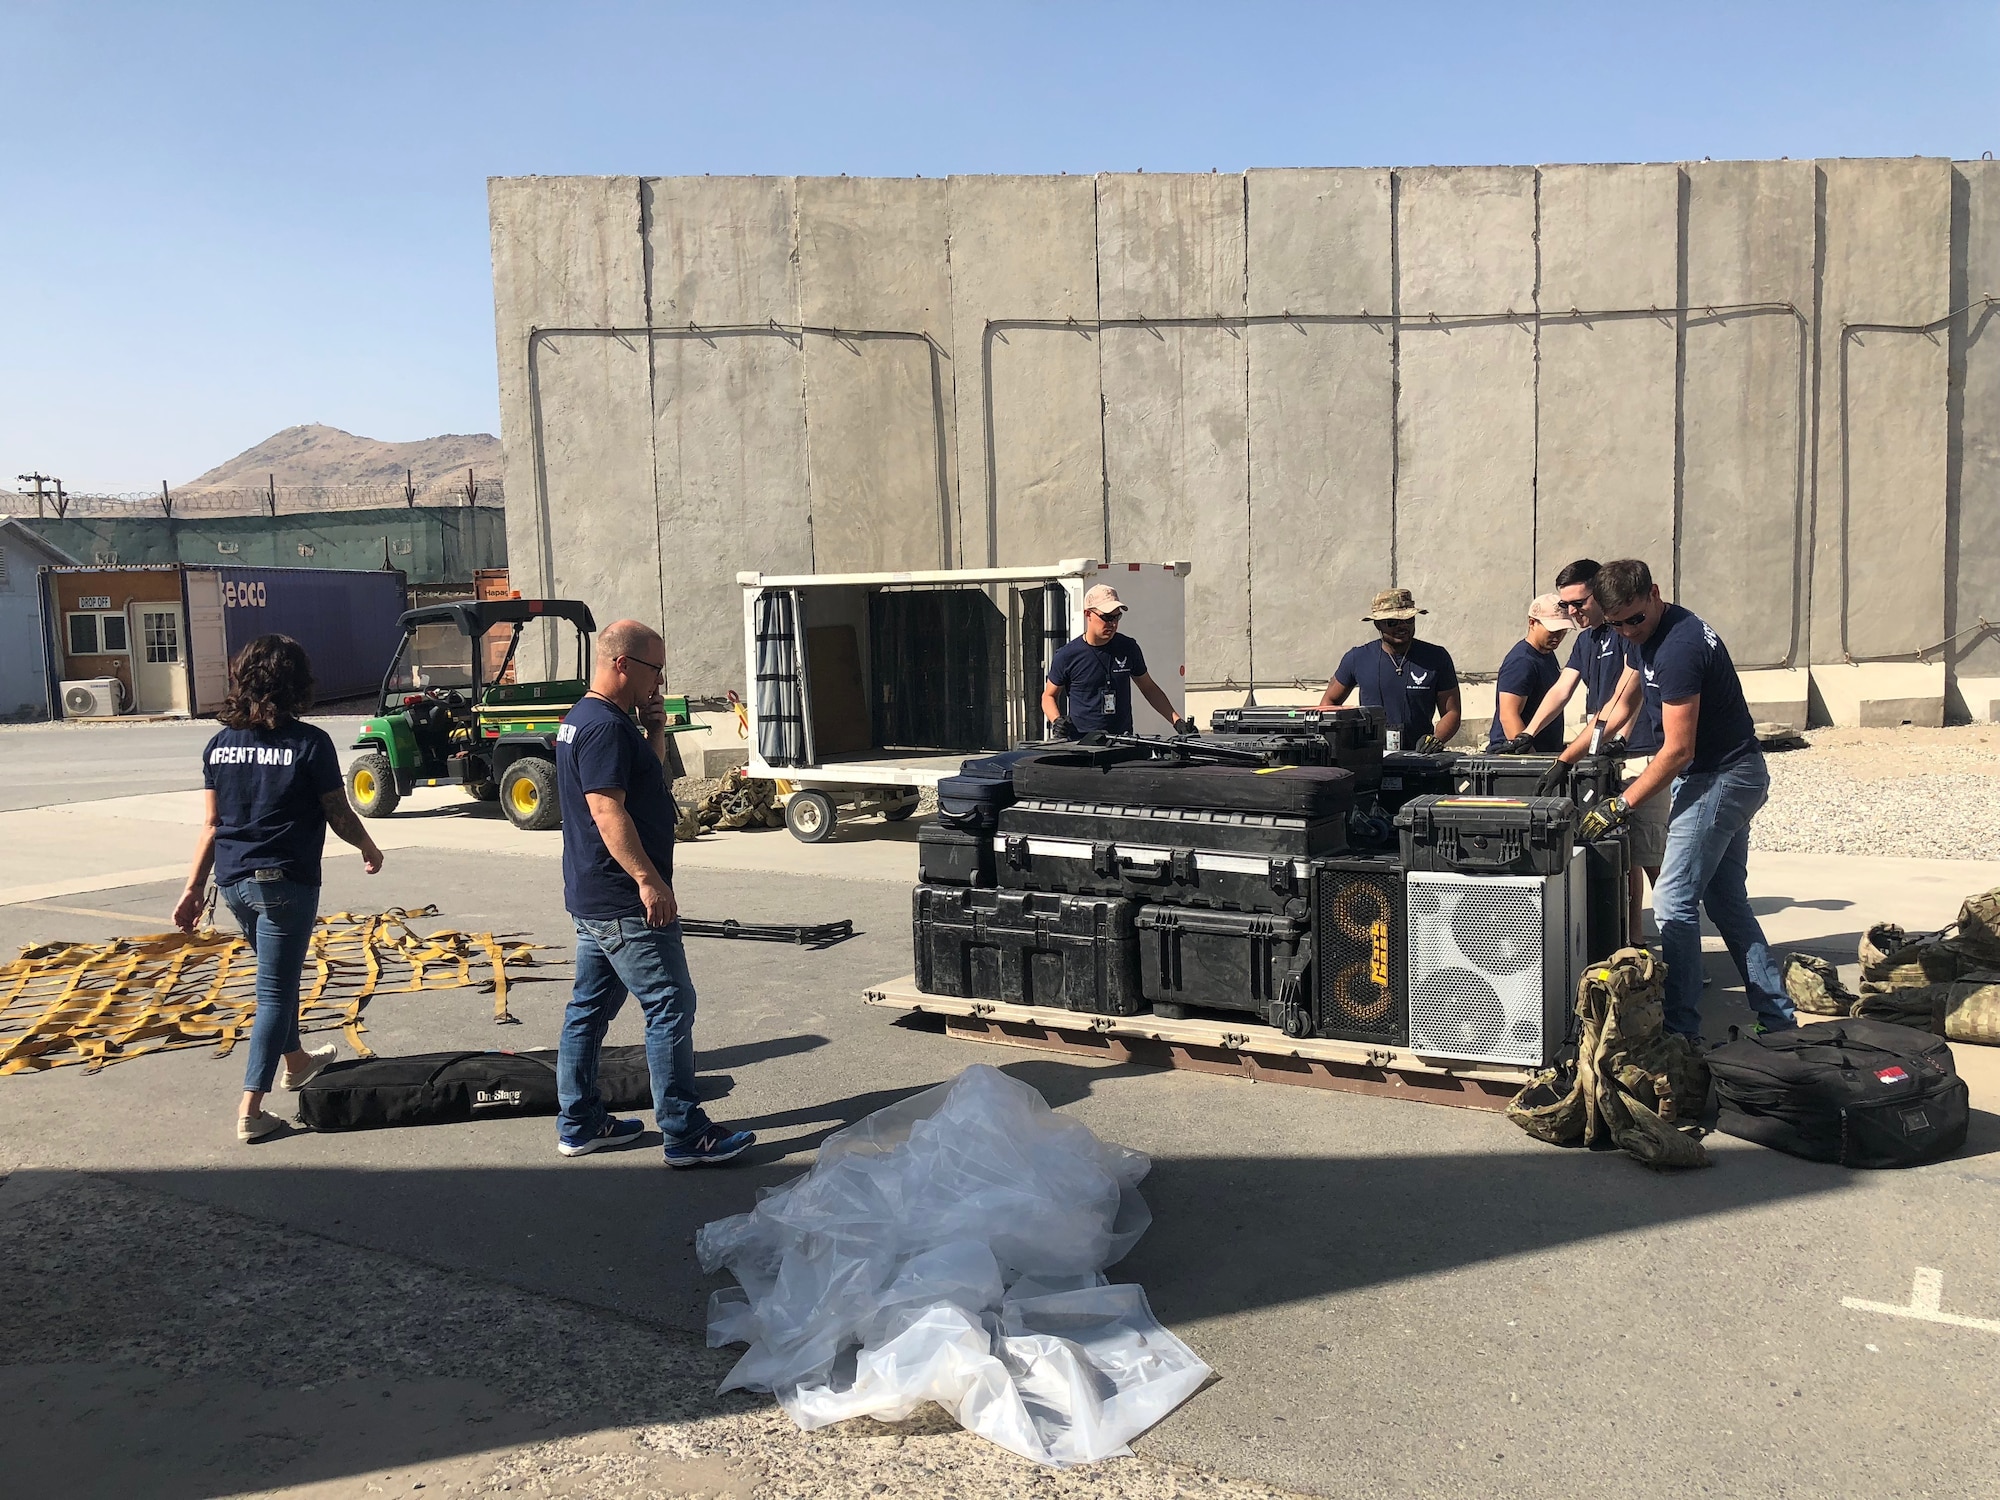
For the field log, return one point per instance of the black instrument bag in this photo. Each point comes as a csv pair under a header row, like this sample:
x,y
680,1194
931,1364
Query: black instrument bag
x,y
449,1088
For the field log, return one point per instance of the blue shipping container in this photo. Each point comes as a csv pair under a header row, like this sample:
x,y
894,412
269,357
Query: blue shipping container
x,y
346,619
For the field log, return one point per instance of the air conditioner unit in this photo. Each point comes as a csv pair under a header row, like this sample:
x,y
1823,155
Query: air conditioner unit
x,y
1494,961
92,698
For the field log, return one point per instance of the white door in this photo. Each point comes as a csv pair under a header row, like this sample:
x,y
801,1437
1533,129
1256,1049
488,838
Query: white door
x,y
206,643
159,660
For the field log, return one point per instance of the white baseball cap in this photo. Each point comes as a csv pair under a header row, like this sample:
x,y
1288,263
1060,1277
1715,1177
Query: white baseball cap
x,y
1103,598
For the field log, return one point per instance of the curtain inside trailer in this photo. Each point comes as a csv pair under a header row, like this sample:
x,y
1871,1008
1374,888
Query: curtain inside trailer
x,y
939,659
781,720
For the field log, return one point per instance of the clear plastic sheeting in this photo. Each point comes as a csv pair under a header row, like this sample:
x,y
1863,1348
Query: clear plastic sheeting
x,y
951,1248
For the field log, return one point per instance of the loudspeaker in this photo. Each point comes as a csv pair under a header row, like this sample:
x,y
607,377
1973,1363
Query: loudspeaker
x,y
1360,968
1494,962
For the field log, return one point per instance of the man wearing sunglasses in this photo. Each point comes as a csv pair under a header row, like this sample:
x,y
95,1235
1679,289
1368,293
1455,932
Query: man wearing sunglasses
x,y
1413,682
1710,765
1096,672
618,819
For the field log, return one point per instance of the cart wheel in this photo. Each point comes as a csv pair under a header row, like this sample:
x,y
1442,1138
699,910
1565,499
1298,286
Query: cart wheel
x,y
371,785
483,791
810,816
528,794
902,810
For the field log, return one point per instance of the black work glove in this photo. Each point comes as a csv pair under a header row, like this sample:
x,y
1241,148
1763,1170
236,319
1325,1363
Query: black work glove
x,y
1063,729
1607,817
1614,745
1186,727
1521,744
1554,779
1430,744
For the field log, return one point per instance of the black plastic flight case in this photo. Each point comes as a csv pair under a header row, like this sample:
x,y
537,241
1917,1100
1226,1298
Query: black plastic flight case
x,y
954,856
1591,778
1354,736
1028,948
1607,901
1407,774
1250,962
1312,792
1232,861
1488,835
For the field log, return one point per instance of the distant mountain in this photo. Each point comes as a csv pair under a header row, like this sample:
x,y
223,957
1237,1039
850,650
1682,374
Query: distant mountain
x,y
317,455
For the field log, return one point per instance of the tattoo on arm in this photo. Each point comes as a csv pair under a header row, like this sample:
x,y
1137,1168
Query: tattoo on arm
x,y
340,817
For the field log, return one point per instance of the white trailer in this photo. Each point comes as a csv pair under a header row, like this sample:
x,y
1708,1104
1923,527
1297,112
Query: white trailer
x,y
867,687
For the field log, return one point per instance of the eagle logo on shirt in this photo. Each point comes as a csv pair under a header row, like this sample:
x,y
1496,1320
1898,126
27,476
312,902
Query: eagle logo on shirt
x,y
1649,677
1419,678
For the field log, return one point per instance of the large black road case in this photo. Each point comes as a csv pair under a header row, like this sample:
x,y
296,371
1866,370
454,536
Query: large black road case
x,y
1591,778
1028,948
1314,792
1488,835
1195,959
1239,861
1354,736
1407,774
954,856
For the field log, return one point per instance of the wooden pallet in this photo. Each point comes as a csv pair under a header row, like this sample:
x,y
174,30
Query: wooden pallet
x,y
1234,1049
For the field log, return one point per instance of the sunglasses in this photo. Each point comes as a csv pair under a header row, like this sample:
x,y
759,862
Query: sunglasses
x,y
658,667
1571,606
1629,622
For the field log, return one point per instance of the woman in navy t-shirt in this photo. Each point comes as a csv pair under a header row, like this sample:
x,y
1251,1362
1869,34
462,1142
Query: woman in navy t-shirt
x,y
274,788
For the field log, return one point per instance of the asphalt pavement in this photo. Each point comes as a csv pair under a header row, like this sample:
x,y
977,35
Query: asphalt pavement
x,y
1397,1298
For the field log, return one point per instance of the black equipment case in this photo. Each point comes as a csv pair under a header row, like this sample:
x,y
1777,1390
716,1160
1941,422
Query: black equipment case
x,y
1226,960
954,856
1857,1092
1028,948
971,800
1354,736
1407,774
1488,835
449,1088
1311,792
1607,900
1241,861
1592,778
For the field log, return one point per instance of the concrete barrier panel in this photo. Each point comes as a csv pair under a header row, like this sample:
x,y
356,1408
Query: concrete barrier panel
x,y
1175,443
729,419
1024,250
1746,444
1605,407
1322,415
1465,424
1973,566
878,392
1878,567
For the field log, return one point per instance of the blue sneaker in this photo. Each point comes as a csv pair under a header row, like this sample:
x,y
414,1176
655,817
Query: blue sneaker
x,y
708,1146
614,1132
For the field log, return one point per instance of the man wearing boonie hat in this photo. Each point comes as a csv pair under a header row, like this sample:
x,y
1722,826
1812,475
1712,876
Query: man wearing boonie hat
x,y
1095,674
1526,675
1413,682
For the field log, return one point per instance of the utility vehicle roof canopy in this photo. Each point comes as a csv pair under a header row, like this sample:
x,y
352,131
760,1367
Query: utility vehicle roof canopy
x,y
475,617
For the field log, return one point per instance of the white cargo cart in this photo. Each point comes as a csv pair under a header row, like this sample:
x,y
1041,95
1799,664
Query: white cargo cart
x,y
867,687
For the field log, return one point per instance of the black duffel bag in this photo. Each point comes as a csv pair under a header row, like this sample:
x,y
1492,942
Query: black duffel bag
x,y
1858,1092
449,1088
970,802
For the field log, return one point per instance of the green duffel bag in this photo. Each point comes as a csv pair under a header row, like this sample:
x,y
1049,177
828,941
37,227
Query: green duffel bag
x,y
1815,987
1972,1008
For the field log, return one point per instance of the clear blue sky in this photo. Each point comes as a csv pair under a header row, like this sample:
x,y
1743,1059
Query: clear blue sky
x,y
220,220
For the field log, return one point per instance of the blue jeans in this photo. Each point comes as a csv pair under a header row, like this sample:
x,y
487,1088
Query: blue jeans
x,y
1707,865
615,958
277,920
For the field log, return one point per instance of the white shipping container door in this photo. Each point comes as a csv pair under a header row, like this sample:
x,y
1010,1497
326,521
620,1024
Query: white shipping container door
x,y
207,642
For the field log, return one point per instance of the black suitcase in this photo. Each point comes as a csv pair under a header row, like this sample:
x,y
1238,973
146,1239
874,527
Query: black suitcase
x,y
1488,835
449,1088
971,800
1361,988
954,856
1253,962
1314,792
1857,1092
1407,774
1590,779
1028,948
1608,902
1180,856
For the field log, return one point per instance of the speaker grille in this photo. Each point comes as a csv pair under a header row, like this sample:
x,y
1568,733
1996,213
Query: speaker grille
x,y
1359,956
1477,968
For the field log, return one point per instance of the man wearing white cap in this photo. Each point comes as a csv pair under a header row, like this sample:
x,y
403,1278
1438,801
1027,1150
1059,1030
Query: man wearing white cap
x,y
1526,675
1097,672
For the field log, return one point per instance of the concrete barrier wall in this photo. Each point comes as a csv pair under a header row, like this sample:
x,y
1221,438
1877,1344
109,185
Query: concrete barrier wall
x,y
1779,382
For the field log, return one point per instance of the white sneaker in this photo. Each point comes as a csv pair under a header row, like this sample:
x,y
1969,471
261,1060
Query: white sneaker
x,y
320,1056
253,1128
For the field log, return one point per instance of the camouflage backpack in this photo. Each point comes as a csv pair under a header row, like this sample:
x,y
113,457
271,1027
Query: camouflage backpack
x,y
1892,959
1633,1084
1978,935
1815,987
1972,1008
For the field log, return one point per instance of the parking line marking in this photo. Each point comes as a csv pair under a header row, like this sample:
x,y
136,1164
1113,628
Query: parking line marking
x,y
1926,1305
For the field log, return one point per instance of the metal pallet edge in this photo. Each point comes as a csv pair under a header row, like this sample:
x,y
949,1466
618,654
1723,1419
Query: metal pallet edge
x,y
1231,1049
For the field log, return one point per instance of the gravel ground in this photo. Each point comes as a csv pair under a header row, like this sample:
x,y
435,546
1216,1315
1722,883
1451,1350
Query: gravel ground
x,y
1913,793
160,1347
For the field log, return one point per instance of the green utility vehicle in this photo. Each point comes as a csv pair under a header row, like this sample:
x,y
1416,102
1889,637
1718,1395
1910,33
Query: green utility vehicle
x,y
451,715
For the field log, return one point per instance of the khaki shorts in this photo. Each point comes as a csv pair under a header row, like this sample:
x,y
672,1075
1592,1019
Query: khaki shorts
x,y
1646,834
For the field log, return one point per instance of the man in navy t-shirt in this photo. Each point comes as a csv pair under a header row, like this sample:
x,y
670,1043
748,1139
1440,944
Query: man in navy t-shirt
x,y
1413,682
1095,675
618,819
1527,674
1710,764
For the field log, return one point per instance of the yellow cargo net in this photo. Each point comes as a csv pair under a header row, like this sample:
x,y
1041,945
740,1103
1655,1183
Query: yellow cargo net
x,y
100,1003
